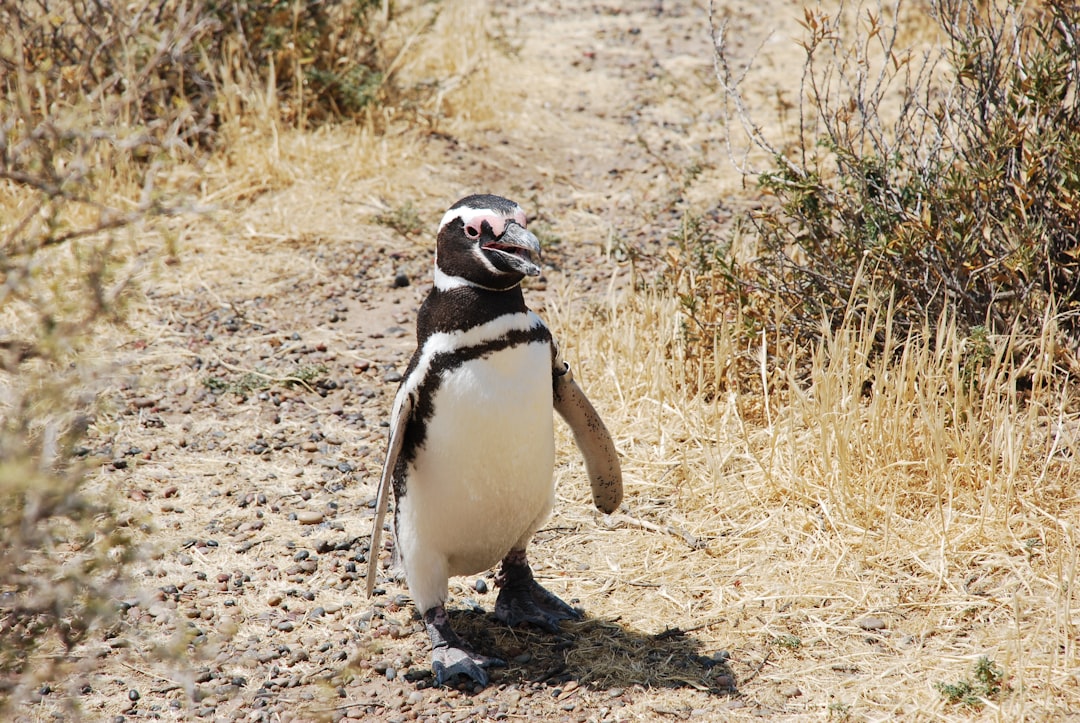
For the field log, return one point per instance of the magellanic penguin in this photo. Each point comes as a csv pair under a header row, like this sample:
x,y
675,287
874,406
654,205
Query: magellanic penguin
x,y
471,449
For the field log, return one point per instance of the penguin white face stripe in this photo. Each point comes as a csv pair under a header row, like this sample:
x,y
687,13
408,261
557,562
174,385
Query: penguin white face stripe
x,y
476,254
447,282
474,218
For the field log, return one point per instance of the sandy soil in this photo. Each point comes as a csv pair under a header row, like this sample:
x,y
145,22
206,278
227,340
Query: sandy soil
x,y
249,419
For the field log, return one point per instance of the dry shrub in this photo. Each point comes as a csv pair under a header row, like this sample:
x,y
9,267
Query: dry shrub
x,y
950,176
86,140
197,64
320,60
139,65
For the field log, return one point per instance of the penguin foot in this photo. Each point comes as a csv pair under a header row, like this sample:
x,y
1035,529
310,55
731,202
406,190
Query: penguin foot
x,y
449,662
523,600
450,656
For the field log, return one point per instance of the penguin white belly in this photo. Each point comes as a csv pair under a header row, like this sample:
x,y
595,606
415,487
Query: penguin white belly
x,y
482,481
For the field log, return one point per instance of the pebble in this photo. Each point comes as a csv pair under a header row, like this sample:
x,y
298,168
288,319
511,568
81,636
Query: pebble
x,y
871,623
309,517
790,691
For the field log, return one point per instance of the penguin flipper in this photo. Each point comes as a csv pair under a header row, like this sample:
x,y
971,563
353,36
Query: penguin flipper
x,y
592,438
403,407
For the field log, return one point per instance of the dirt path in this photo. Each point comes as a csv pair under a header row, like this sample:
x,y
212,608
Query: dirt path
x,y
249,419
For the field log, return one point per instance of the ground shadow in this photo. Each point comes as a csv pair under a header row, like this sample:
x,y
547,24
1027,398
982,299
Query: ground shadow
x,y
597,654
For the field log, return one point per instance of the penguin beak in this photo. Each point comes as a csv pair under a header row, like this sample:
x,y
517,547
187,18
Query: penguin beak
x,y
517,250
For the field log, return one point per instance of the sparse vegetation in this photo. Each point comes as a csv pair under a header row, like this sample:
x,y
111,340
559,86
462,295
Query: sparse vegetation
x,y
988,684
260,379
404,219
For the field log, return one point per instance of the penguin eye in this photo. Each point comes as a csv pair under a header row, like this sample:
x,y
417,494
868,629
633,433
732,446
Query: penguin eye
x,y
472,231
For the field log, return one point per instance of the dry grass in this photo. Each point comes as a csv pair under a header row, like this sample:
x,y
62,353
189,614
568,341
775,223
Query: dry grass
x,y
884,486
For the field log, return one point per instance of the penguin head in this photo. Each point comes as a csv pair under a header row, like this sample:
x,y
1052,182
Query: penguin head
x,y
483,243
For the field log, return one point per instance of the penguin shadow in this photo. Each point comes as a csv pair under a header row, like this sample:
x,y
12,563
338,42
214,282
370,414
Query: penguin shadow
x,y
600,655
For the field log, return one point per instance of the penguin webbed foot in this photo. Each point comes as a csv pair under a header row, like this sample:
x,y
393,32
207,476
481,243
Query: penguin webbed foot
x,y
449,662
449,655
523,600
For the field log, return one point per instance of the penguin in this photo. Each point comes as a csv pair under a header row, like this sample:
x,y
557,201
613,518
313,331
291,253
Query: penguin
x,y
470,455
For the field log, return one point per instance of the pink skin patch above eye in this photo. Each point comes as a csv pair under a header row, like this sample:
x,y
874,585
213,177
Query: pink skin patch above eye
x,y
474,219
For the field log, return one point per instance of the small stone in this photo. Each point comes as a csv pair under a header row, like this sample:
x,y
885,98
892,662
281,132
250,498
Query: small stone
x,y
391,376
790,691
871,623
415,698
133,695
480,586
309,517
274,600
285,626
724,682
401,280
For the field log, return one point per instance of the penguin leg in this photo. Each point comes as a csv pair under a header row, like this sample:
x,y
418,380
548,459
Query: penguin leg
x,y
523,600
449,654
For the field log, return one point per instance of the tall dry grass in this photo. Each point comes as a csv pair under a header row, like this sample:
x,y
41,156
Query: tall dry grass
x,y
866,525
